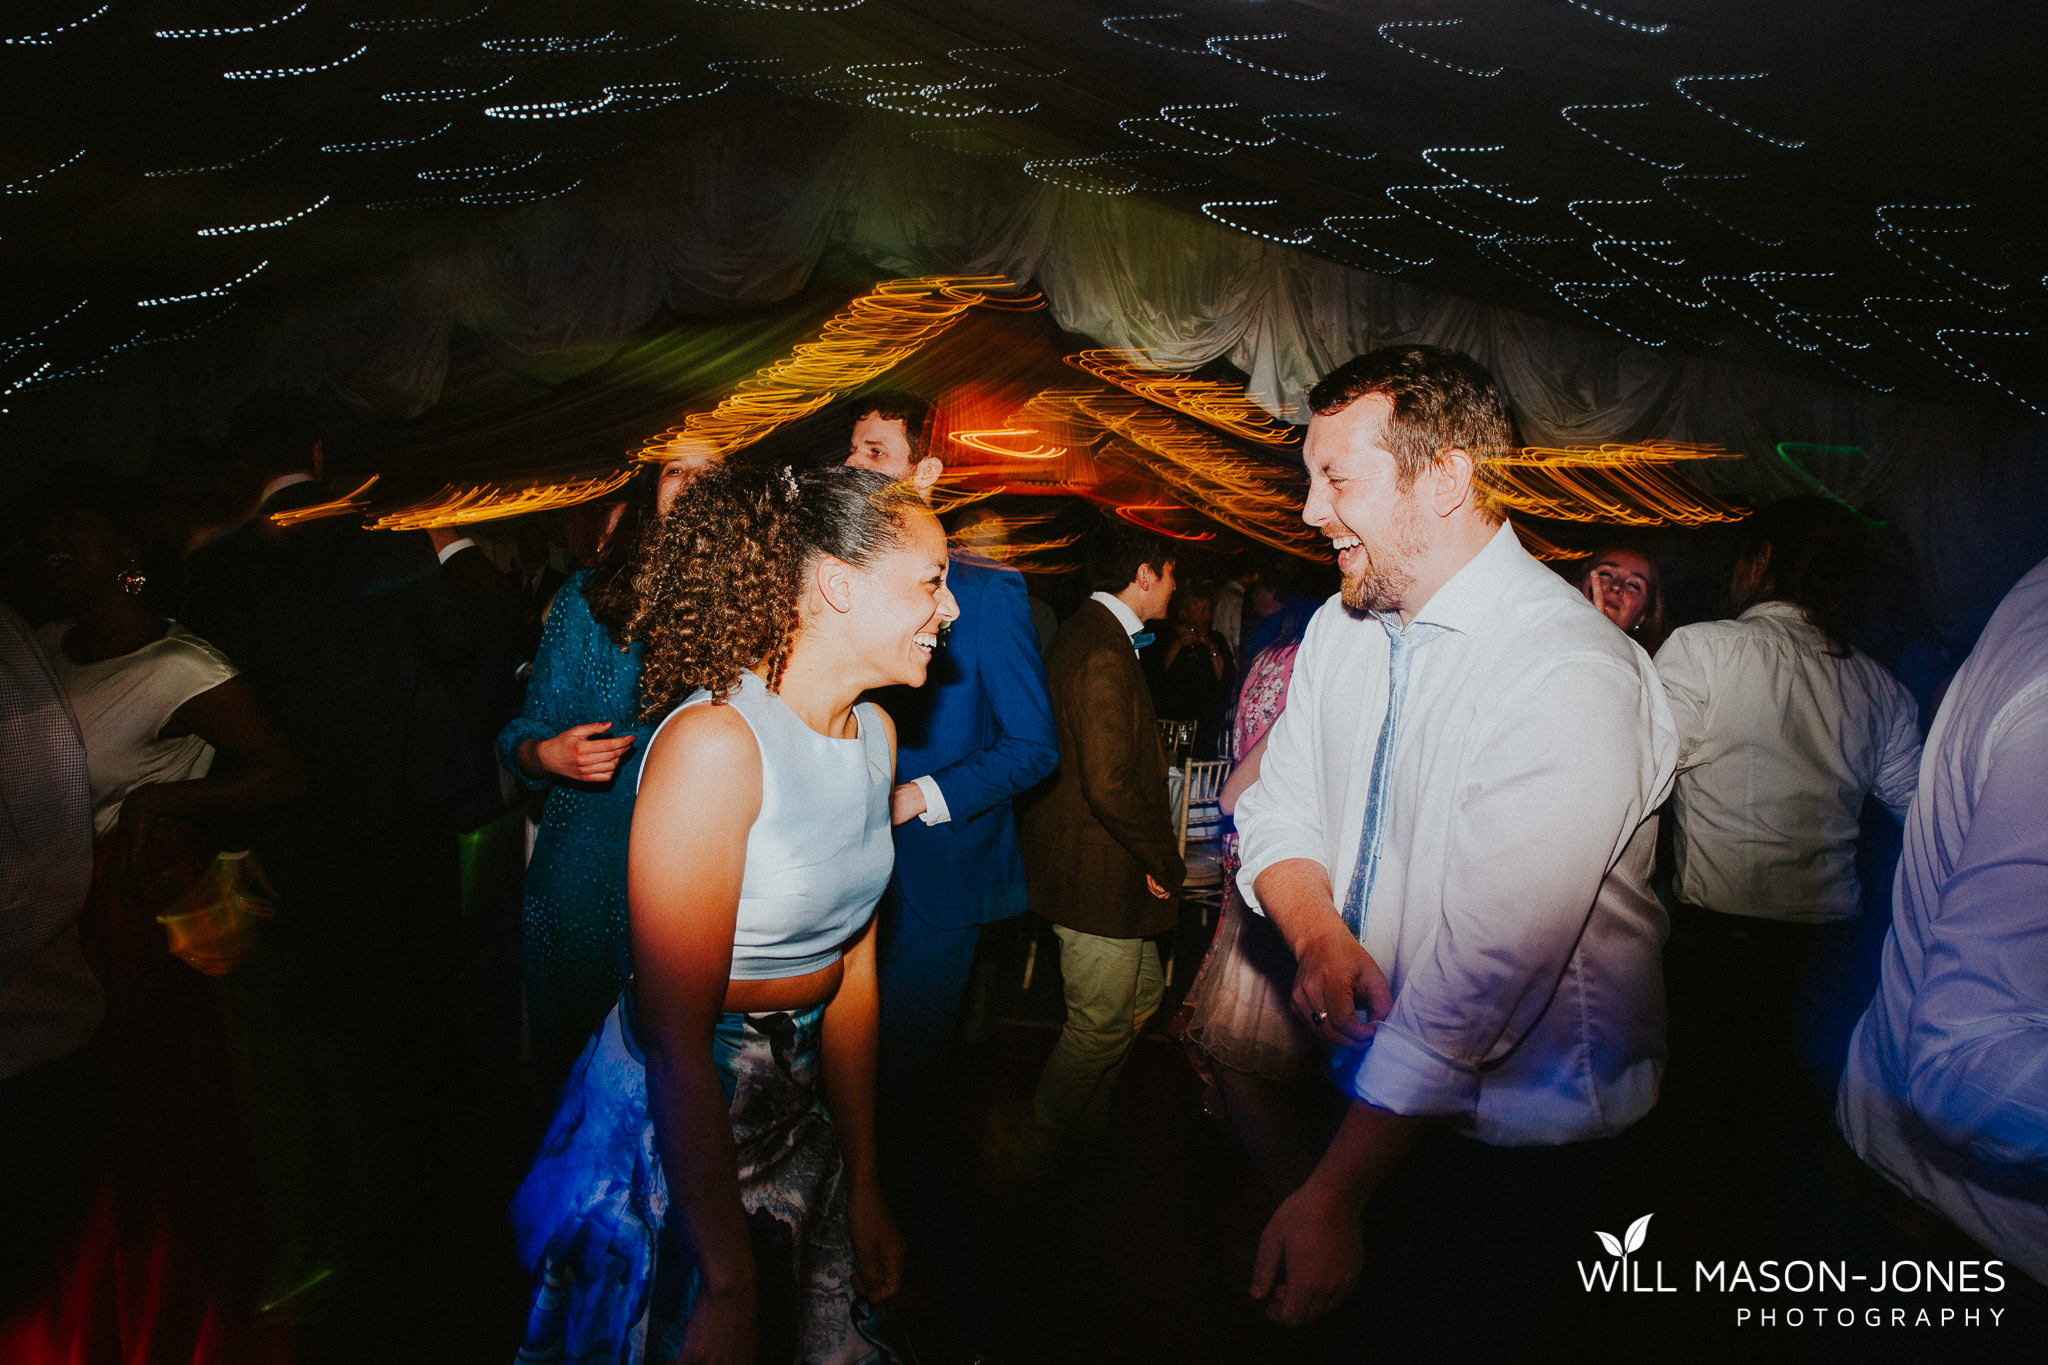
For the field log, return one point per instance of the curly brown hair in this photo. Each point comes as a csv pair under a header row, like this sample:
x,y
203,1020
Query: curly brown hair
x,y
719,586
610,585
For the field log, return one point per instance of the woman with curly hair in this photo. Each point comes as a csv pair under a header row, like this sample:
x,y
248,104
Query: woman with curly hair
x,y
579,739
694,1195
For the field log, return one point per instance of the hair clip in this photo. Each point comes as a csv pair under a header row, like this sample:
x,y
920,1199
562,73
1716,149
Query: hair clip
x,y
789,478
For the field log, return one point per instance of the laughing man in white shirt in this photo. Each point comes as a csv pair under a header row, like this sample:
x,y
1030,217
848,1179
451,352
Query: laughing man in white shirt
x,y
1463,877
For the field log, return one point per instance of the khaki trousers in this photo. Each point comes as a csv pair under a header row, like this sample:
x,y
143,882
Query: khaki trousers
x,y
1112,986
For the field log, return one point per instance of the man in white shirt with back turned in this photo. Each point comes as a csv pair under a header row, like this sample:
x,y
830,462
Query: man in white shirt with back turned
x,y
1784,728
1454,829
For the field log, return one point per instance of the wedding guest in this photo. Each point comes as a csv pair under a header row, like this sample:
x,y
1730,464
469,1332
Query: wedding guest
x,y
1263,1062
50,1001
1100,845
974,737
1945,1101
538,580
580,740
1784,728
1282,598
174,738
693,1195
356,643
1454,830
1196,670
1622,581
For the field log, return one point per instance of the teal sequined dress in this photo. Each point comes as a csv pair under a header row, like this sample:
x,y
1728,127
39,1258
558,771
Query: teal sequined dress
x,y
576,952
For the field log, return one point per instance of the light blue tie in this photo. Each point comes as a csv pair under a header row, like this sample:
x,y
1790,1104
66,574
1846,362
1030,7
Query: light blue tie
x,y
1401,654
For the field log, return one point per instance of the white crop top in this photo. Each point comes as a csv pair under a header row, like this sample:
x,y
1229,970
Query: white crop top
x,y
820,852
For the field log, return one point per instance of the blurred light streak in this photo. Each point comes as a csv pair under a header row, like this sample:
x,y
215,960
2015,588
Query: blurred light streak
x,y
454,506
871,335
1018,541
1129,512
1544,549
1622,494
353,502
1255,498
950,494
223,166
285,221
43,39
213,293
984,442
1221,405
1615,453
229,32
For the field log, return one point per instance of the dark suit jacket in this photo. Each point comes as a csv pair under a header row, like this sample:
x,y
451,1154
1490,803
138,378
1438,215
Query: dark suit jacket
x,y
354,640
981,728
1090,840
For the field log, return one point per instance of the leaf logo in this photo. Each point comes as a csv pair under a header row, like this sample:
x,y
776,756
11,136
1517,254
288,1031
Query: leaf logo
x,y
1630,1241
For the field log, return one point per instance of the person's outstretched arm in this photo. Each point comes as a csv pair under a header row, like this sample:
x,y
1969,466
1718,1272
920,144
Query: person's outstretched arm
x,y
700,794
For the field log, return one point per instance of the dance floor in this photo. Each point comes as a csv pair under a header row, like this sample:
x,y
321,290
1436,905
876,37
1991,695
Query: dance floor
x,y
1136,1249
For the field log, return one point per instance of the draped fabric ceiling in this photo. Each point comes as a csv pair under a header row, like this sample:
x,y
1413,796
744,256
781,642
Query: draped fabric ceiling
x,y
1807,234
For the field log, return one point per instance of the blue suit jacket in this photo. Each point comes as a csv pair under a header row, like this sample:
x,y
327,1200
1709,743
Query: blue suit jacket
x,y
981,727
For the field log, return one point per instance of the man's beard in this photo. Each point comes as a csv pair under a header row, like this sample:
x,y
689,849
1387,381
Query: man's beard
x,y
1385,580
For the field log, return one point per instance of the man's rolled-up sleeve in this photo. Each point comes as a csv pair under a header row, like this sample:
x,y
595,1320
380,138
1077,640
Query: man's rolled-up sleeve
x,y
1570,771
1281,816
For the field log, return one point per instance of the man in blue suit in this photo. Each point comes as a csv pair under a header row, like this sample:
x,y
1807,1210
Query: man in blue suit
x,y
978,733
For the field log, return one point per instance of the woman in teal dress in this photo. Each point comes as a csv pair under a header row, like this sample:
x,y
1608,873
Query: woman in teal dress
x,y
579,739
708,1190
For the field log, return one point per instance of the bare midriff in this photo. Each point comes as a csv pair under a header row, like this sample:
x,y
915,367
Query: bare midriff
x,y
783,992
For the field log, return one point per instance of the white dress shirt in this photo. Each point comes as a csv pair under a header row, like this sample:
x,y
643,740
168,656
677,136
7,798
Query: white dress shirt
x,y
1779,741
50,1001
1946,1087
1125,617
1511,910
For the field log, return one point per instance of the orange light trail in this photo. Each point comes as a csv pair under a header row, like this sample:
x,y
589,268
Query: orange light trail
x,y
1015,541
872,334
1206,400
984,441
1615,453
1256,498
1625,495
1129,512
354,502
949,494
454,506
1542,547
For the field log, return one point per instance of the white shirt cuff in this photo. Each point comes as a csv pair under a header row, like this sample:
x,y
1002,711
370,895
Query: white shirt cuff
x,y
456,547
1398,1072
936,812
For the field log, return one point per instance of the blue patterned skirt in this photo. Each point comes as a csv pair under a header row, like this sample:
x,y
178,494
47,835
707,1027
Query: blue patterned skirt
x,y
614,1280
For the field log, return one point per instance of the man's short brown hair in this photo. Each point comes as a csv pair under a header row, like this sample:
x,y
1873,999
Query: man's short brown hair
x,y
1443,400
915,413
